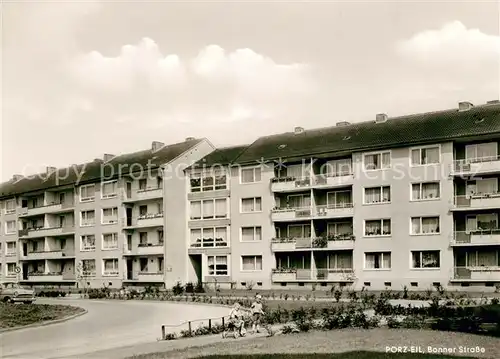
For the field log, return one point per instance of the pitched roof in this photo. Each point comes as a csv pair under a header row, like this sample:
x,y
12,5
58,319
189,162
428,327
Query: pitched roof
x,y
416,129
94,171
221,156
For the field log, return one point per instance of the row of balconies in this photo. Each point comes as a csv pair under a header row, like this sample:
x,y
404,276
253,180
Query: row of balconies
x,y
337,210
68,252
145,249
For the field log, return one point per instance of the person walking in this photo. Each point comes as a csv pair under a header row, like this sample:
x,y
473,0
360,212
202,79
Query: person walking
x,y
257,313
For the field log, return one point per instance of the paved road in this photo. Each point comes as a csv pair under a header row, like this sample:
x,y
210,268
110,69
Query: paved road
x,y
107,325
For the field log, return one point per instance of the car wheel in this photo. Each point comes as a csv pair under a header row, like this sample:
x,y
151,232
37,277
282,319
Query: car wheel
x,y
6,300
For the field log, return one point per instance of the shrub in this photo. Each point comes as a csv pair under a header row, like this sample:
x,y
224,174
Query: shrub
x,y
189,287
199,288
393,323
494,301
178,289
170,336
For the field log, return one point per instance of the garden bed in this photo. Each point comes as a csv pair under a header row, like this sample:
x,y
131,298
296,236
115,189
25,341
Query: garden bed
x,y
17,315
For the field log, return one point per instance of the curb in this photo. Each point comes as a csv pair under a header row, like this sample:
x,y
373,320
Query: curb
x,y
48,322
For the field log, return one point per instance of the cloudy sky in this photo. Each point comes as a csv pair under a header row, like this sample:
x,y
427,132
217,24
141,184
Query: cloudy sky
x,y
85,78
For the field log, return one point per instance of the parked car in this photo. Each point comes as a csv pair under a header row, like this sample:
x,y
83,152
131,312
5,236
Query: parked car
x,y
11,292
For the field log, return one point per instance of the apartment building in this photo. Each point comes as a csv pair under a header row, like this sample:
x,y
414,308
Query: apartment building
x,y
410,201
407,201
93,225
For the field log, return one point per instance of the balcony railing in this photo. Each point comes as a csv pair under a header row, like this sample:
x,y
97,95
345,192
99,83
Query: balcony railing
x,y
142,194
144,249
209,242
477,200
291,213
488,164
334,210
477,237
50,254
332,242
480,273
46,231
291,183
51,207
313,275
145,276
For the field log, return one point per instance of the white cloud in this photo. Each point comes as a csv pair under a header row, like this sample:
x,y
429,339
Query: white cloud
x,y
452,44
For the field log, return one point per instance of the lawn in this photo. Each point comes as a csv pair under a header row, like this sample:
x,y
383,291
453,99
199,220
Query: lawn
x,y
14,315
348,355
336,341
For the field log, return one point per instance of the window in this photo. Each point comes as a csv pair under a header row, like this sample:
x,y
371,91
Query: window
x,y
425,225
110,267
87,193
377,161
425,259
378,195
251,175
251,205
143,184
251,263
208,182
209,237
217,265
425,156
299,201
11,269
10,249
378,260
299,231
143,265
251,234
378,227
88,267
109,189
481,151
482,186
340,229
424,191
10,206
10,227
109,215
338,168
143,238
87,218
160,236
88,242
209,209
110,241
485,221
143,210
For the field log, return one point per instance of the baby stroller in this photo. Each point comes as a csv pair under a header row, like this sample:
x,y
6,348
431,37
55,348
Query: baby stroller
x,y
236,324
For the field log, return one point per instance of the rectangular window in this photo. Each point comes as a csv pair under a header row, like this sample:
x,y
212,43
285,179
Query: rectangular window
x,y
336,168
209,237
110,241
299,231
11,269
206,182
251,175
143,238
110,267
143,184
251,234
217,265
299,201
378,195
209,209
88,267
378,227
251,263
143,265
425,225
482,222
378,260
10,249
109,215
87,218
160,236
87,193
249,205
88,242
425,259
10,206
484,151
377,161
425,156
340,229
109,189
10,227
143,210
425,191
482,186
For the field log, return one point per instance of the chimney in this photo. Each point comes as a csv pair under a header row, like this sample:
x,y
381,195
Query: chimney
x,y
343,123
464,106
190,139
380,118
108,157
50,170
155,146
17,177
298,130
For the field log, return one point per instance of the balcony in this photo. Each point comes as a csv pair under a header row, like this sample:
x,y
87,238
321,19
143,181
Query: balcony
x,y
146,277
478,237
50,254
313,275
333,242
290,184
144,221
334,180
476,201
335,210
65,206
468,167
45,277
46,232
217,246
143,194
144,249
291,214
476,274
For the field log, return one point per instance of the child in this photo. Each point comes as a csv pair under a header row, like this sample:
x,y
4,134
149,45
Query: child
x,y
257,313
235,322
